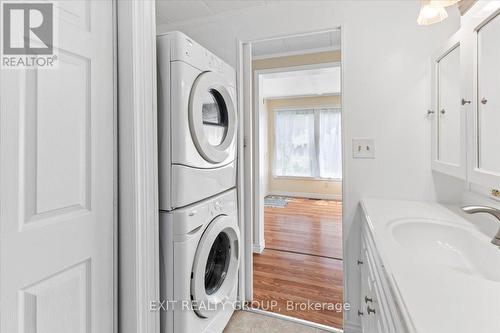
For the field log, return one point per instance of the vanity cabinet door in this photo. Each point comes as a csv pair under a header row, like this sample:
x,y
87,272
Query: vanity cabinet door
x,y
368,311
484,120
448,118
448,107
364,290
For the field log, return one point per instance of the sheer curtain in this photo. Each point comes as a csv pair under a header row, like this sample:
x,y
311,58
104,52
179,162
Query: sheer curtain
x,y
330,144
307,143
295,149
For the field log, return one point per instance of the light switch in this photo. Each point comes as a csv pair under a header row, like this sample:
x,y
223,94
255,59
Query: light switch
x,y
363,148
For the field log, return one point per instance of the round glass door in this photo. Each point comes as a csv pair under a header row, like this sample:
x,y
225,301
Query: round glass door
x,y
217,263
215,268
214,114
212,117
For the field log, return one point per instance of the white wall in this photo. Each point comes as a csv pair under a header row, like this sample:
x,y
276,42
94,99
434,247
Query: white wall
x,y
386,60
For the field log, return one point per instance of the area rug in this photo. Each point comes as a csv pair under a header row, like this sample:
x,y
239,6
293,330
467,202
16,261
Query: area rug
x,y
275,201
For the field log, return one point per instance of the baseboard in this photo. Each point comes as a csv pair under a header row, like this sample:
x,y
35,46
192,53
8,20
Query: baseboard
x,y
352,327
259,248
337,197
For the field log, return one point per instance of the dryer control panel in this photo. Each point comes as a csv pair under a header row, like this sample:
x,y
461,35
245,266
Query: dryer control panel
x,y
183,48
215,64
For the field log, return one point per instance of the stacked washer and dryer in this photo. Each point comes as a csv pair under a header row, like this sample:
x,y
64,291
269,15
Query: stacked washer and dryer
x,y
199,235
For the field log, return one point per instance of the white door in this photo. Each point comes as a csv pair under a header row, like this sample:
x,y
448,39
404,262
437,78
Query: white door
x,y
488,101
56,245
449,118
483,68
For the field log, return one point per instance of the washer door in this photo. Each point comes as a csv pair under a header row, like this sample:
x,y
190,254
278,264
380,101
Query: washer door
x,y
215,267
212,117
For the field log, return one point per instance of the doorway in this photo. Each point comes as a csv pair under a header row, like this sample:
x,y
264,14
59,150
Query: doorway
x,y
297,178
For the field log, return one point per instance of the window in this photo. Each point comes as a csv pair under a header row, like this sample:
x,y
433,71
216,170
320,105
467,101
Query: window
x,y
307,143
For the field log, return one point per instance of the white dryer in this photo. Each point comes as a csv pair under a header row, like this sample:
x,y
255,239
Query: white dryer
x,y
199,252
197,122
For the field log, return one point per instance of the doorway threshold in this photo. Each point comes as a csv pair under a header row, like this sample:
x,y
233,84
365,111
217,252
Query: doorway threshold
x,y
295,320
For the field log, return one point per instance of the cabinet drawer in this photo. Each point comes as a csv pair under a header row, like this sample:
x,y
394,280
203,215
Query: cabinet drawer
x,y
378,299
390,315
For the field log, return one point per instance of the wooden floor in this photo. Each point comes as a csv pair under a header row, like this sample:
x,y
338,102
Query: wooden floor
x,y
305,226
302,264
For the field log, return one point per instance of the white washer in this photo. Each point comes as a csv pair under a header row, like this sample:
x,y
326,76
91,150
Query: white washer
x,y
197,122
199,252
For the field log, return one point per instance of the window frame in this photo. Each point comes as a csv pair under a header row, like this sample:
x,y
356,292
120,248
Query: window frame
x,y
316,112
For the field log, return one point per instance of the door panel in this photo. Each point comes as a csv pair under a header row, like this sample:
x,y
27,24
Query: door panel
x,y
66,293
483,71
56,245
449,111
488,100
57,172
448,115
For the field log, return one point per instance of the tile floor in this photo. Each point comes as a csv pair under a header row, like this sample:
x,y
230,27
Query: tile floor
x,y
249,322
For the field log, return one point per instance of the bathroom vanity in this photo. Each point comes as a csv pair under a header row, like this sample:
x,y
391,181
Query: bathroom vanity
x,y
425,268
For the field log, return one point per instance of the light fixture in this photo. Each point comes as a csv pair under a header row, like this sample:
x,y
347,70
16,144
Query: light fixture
x,y
444,3
433,11
491,7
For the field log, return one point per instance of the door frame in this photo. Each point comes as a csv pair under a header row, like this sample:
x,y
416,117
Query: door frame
x,y
246,150
244,179
115,167
259,242
138,232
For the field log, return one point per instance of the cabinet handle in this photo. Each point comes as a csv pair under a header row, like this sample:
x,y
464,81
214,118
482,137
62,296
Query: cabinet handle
x,y
370,310
484,101
368,299
360,313
360,262
464,101
429,112
443,111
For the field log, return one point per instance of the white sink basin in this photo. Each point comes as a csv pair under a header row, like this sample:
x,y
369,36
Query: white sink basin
x,y
461,249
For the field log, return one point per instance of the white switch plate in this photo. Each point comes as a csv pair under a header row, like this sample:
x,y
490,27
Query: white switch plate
x,y
363,148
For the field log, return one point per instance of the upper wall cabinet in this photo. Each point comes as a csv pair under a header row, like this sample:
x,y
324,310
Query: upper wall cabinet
x,y
466,101
448,116
483,64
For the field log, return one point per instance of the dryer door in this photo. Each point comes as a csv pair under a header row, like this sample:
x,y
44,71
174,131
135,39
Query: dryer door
x,y
215,268
212,117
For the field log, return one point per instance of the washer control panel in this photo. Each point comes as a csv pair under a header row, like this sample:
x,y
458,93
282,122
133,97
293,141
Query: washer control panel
x,y
216,208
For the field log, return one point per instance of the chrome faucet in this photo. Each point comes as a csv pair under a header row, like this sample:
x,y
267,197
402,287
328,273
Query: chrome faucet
x,y
485,209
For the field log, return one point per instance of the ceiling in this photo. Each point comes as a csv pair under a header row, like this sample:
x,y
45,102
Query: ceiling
x,y
168,11
310,82
307,43
174,11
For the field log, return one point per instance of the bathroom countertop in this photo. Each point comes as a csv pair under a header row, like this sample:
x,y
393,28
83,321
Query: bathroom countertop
x,y
437,298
